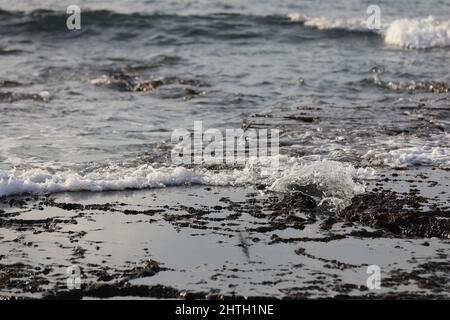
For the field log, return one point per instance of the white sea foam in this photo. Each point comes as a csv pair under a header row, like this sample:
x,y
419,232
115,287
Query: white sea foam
x,y
333,179
40,180
408,151
413,156
419,33
100,80
323,23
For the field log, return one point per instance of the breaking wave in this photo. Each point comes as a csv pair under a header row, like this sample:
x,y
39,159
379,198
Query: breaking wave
x,y
330,179
418,33
323,23
407,33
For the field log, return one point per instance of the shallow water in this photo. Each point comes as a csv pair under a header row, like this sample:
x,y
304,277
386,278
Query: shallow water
x,y
264,62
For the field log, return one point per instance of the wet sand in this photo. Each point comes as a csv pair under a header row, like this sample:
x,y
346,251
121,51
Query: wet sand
x,y
198,242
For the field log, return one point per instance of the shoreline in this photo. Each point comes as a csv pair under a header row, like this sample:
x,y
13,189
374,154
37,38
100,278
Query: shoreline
x,y
200,242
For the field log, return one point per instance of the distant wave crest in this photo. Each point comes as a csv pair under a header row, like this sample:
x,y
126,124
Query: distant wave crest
x,y
418,33
407,33
323,23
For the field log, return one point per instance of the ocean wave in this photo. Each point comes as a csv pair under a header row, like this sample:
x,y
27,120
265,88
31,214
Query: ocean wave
x,y
41,20
407,33
323,23
418,33
55,21
331,179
